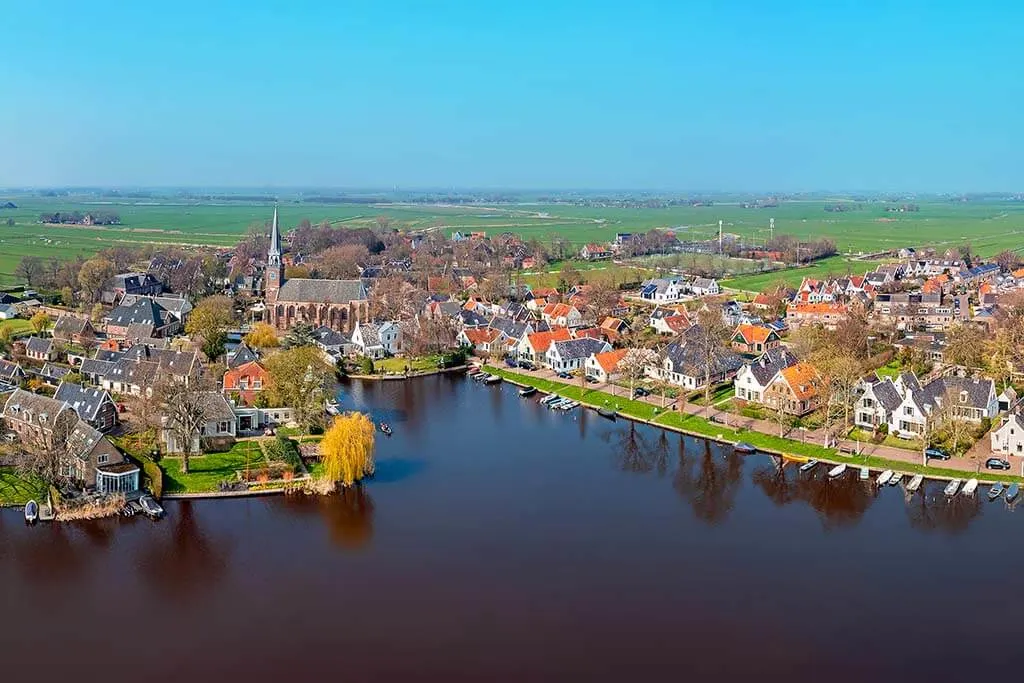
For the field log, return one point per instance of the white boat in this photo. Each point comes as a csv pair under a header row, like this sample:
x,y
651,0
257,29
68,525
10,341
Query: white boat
x,y
865,474
884,478
568,406
837,471
808,466
549,399
951,487
31,512
915,483
558,404
492,379
969,488
995,490
527,391
151,507
895,479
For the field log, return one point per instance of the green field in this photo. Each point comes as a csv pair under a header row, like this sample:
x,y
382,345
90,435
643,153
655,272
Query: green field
x,y
832,266
990,226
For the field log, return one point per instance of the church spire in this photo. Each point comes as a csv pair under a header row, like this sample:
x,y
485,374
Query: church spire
x,y
274,252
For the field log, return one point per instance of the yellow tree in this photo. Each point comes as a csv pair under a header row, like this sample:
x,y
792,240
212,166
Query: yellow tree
x,y
39,322
261,336
347,449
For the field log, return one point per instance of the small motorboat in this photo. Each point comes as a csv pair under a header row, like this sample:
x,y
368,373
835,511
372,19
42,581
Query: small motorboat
x,y
914,484
969,488
557,403
549,399
480,376
808,466
744,447
951,487
473,370
895,479
865,474
332,407
528,391
837,471
386,428
607,412
569,405
151,507
1012,492
884,478
31,512
492,379
995,490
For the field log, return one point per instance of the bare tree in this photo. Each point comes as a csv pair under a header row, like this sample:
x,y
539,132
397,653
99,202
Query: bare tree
x,y
635,363
708,336
393,298
185,407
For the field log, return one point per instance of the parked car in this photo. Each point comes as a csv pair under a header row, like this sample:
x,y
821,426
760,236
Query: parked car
x,y
591,379
563,374
640,391
997,464
527,365
510,363
936,453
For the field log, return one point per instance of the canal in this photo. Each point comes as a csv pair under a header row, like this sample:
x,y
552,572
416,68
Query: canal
x,y
501,541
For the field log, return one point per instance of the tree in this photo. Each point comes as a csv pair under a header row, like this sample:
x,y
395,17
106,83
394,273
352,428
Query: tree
x,y
347,449
29,269
1007,259
394,298
39,321
1000,353
44,452
262,336
602,297
97,312
964,346
708,336
186,406
298,380
569,277
301,334
93,274
67,295
5,337
344,260
210,321
635,363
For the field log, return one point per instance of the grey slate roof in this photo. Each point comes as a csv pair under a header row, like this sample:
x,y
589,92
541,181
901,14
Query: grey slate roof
x,y
322,291
133,373
579,348
38,345
179,306
886,394
93,367
241,355
977,390
180,363
688,360
10,370
52,371
85,401
770,362
370,334
145,310
70,325
325,336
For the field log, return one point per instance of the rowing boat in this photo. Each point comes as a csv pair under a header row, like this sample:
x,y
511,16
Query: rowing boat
x,y
951,487
915,483
884,478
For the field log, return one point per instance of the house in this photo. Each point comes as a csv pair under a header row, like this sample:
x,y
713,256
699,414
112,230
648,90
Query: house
x,y
795,390
53,374
142,319
247,381
253,420
39,349
71,329
92,405
534,347
604,367
11,372
377,340
754,339
561,315
137,370
8,311
972,401
241,355
218,429
85,456
613,328
705,286
1008,437
569,355
684,363
1007,399
483,340
827,315
130,283
177,306
663,290
595,252
878,400
332,342
669,320
754,377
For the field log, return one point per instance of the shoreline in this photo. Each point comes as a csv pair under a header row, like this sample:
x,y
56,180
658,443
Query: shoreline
x,y
411,375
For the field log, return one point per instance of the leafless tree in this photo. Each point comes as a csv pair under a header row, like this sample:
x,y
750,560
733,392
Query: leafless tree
x,y
185,407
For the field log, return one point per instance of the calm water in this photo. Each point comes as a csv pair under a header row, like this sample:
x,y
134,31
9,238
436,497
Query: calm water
x,y
504,542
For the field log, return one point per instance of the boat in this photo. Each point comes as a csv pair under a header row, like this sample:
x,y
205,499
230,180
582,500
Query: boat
x,y
528,391
895,479
915,483
969,488
808,466
789,457
744,447
995,490
837,471
473,370
865,474
951,487
151,507
31,512
332,407
386,428
558,402
884,478
549,399
1012,492
568,406
607,412
492,379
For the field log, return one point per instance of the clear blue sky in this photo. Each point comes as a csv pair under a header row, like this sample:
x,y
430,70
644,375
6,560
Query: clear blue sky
x,y
531,94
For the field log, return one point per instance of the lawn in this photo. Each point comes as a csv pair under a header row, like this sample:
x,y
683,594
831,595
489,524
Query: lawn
x,y
891,369
207,471
826,267
17,326
16,490
398,365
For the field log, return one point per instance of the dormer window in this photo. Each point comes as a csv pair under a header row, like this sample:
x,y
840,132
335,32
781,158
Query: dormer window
x,y
963,397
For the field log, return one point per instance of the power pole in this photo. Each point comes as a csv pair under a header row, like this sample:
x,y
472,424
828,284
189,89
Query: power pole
x,y
719,238
771,228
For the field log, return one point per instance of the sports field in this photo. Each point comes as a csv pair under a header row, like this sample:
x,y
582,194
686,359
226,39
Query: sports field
x,y
990,226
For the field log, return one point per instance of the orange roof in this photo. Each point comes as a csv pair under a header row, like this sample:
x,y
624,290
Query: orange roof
x,y
677,323
540,341
802,379
557,310
824,307
611,323
609,360
1019,273
985,288
753,334
596,247
592,332
250,369
481,335
544,291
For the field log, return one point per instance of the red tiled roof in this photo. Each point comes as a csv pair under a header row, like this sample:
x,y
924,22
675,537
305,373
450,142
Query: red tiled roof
x,y
609,360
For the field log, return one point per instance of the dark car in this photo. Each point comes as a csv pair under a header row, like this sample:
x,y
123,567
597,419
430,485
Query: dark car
x,y
591,379
527,365
935,453
563,375
509,362
997,464
640,391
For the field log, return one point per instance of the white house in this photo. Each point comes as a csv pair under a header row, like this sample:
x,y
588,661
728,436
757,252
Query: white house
x,y
683,365
221,425
562,315
663,290
1008,438
377,340
878,400
566,356
754,377
705,286
604,367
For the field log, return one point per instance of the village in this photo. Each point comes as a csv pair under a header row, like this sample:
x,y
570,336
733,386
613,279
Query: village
x,y
214,373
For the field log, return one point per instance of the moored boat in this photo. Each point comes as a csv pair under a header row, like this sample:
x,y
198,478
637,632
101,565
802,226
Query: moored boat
x,y
31,511
607,412
865,473
884,478
744,447
895,479
995,490
151,507
1012,492
568,405
915,483
808,466
951,487
528,391
837,471
385,427
492,379
969,488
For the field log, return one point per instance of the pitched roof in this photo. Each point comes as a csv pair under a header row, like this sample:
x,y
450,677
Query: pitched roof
x,y
540,341
579,348
241,355
802,378
38,345
69,325
609,360
370,334
754,334
768,364
145,310
322,291
481,335
85,401
52,371
325,336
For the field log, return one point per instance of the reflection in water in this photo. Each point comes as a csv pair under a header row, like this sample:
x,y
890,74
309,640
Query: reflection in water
x,y
934,511
630,448
50,554
838,502
348,514
188,563
708,483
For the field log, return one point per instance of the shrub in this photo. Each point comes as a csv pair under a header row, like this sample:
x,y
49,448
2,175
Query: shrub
x,y
365,365
284,449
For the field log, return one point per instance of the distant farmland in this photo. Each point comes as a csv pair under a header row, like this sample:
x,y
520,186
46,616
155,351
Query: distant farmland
x,y
989,226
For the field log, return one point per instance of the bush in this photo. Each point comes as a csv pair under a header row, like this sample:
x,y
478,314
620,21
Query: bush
x,y
365,365
284,449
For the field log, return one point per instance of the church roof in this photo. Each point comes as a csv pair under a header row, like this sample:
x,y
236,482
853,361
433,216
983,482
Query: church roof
x,y
303,290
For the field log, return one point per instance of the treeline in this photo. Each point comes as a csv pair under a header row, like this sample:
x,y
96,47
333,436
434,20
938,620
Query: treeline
x,y
79,218
793,250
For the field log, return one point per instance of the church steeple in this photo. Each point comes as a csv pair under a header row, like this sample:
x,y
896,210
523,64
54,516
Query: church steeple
x,y
274,252
274,276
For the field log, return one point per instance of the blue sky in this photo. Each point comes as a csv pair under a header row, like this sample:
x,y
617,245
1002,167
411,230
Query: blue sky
x,y
667,95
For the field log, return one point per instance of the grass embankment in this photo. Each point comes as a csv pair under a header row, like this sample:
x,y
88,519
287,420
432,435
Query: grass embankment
x,y
17,490
207,471
698,426
17,326
398,365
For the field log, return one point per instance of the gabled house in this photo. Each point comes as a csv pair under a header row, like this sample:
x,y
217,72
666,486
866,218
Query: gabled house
x,y
483,340
613,328
673,321
795,390
71,329
332,343
663,290
219,428
972,400
705,286
240,355
604,367
754,377
534,347
53,374
561,315
41,350
377,340
130,283
684,363
246,381
878,400
595,252
11,372
754,339
1008,437
92,405
566,356
144,318
827,315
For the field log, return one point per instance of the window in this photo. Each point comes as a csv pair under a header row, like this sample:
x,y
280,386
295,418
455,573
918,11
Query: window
x,y
102,460
908,410
222,427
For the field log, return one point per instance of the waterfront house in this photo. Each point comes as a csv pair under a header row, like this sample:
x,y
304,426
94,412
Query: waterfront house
x,y
92,405
482,340
795,390
72,329
534,347
684,363
1008,437
604,367
753,378
570,355
877,401
754,339
972,400
246,381
332,343
217,432
41,350
377,340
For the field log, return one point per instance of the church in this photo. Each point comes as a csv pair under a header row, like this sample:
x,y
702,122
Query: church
x,y
338,304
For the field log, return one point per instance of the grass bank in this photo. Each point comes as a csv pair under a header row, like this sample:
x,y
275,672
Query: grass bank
x,y
18,490
207,471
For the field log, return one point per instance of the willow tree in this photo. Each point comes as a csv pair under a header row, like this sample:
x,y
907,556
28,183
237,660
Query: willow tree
x,y
347,449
